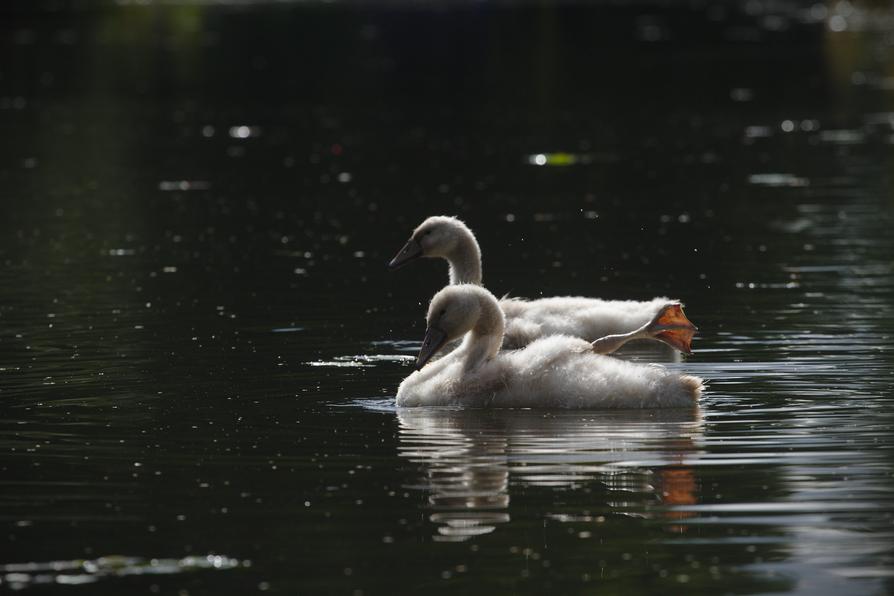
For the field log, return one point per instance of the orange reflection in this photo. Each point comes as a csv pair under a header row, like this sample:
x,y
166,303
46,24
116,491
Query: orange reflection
x,y
677,486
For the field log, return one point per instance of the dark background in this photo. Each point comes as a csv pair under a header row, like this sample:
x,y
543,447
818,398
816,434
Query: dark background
x,y
200,342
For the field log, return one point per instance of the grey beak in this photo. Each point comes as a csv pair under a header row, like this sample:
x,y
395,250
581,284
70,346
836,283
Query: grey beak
x,y
434,341
411,250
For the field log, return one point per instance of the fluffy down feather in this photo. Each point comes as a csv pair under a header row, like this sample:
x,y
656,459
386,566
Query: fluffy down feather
x,y
450,239
552,372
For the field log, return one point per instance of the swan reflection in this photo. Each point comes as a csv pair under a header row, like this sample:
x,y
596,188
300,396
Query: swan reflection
x,y
468,456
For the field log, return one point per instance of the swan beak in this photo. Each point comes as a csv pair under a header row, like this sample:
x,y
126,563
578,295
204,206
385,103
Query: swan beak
x,y
434,340
411,250
677,329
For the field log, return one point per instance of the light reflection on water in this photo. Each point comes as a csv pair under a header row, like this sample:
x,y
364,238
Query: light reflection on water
x,y
470,458
19,576
655,465
193,297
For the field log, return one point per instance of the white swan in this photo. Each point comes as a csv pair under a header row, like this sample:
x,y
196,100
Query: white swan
x,y
526,320
552,372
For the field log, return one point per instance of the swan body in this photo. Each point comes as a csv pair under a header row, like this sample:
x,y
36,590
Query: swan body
x,y
550,372
528,320
587,318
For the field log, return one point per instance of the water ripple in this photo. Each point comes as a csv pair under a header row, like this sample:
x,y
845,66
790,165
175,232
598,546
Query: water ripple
x,y
22,575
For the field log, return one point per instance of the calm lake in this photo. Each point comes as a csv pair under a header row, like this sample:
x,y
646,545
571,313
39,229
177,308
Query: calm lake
x,y
200,342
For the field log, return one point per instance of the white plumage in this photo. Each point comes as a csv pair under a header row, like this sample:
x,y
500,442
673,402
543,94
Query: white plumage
x,y
587,318
527,320
552,372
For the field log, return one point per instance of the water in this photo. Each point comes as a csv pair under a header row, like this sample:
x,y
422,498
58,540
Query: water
x,y
200,343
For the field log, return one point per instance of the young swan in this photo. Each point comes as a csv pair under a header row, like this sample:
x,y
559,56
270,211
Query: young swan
x,y
552,372
615,321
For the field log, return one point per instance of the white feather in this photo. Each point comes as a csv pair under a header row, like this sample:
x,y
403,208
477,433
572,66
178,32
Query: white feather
x,y
527,320
552,372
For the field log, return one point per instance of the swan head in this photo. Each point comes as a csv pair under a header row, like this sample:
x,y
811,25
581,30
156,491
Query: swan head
x,y
452,313
437,236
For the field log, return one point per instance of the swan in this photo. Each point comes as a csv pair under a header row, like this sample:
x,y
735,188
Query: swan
x,y
615,321
556,371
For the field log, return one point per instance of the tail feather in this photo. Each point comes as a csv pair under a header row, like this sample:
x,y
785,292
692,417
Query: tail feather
x,y
693,386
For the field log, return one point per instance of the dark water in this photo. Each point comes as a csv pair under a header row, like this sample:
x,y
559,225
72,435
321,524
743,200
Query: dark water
x,y
200,344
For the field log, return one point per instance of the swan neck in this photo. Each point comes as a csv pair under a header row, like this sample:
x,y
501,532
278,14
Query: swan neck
x,y
484,340
465,261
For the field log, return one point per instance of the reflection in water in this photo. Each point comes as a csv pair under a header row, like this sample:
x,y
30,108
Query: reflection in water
x,y
472,458
22,575
196,201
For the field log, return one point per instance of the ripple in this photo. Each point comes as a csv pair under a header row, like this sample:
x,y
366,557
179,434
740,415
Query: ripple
x,y
373,405
362,360
338,364
474,456
778,180
401,345
183,185
776,507
80,571
843,137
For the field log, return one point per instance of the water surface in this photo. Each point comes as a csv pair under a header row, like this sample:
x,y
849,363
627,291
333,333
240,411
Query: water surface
x,y
200,342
